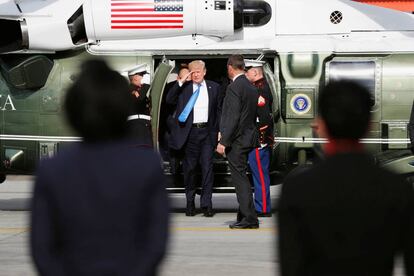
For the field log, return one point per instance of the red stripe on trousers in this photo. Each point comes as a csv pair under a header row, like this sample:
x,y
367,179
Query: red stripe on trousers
x,y
259,166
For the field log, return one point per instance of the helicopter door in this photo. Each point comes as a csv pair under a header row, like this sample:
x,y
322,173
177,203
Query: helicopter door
x,y
274,83
157,88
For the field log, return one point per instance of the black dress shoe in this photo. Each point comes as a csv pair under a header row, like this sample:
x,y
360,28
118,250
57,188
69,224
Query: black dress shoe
x,y
244,225
208,212
264,215
190,212
239,217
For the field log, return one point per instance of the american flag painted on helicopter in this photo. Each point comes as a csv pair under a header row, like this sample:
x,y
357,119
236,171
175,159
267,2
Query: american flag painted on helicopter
x,y
144,14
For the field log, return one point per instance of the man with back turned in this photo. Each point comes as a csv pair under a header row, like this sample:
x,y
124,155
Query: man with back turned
x,y
238,137
100,206
345,215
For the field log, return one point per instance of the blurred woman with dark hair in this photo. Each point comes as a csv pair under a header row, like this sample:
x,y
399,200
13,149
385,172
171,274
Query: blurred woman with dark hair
x,y
99,207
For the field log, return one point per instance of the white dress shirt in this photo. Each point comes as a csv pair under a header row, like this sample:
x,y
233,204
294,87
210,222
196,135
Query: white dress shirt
x,y
200,110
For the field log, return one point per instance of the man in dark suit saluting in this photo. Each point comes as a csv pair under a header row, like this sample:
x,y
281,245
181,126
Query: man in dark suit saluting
x,y
239,136
195,129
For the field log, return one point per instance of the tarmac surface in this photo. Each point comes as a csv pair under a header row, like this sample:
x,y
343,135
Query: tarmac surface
x,y
197,245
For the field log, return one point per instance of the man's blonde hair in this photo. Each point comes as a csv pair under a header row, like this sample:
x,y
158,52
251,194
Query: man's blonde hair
x,y
196,63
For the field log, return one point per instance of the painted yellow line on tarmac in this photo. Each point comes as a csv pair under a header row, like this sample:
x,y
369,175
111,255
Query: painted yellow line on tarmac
x,y
220,229
13,230
189,229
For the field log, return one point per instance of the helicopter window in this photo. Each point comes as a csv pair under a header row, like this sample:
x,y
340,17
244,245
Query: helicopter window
x,y
76,25
256,13
362,72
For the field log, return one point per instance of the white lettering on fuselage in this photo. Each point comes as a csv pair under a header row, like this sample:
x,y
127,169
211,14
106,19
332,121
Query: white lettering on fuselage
x,y
8,104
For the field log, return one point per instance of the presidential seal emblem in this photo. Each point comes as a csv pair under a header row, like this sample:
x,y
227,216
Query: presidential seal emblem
x,y
300,104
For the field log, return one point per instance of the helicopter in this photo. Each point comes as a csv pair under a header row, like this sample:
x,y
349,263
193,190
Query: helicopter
x,y
303,45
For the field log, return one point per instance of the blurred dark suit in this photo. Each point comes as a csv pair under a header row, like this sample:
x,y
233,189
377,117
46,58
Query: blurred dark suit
x,y
99,209
345,216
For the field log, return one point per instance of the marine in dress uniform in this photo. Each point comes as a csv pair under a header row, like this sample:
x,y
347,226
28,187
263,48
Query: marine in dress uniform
x,y
139,121
259,158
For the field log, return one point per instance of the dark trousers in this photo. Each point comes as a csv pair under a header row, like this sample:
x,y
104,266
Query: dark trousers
x,y
140,130
237,158
198,150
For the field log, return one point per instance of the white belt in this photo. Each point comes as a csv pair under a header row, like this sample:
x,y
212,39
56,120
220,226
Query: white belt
x,y
139,116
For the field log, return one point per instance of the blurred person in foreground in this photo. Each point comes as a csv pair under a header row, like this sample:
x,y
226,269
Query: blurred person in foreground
x,y
345,215
99,207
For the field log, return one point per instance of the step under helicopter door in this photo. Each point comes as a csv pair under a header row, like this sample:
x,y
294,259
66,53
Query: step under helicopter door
x,y
157,89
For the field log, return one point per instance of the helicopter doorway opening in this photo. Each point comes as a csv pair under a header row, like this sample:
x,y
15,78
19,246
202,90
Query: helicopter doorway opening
x,y
216,67
216,71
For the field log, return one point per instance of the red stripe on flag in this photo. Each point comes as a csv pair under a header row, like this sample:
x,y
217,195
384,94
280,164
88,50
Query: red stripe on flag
x,y
146,21
146,15
147,27
132,4
131,10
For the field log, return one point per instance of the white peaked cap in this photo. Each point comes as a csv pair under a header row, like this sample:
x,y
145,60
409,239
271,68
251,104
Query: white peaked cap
x,y
249,63
141,68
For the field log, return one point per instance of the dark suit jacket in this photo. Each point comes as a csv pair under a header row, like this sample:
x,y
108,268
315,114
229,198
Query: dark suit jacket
x,y
180,96
238,119
99,209
345,216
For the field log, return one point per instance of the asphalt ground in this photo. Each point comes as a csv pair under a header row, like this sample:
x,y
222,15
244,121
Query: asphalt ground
x,y
197,245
